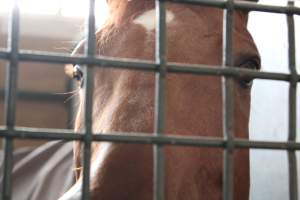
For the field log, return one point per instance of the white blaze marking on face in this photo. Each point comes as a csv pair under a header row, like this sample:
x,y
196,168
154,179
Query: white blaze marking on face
x,y
147,19
74,193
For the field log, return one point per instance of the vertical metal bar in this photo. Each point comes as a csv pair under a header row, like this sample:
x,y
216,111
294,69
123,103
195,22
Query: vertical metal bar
x,y
228,102
293,184
88,94
10,99
160,84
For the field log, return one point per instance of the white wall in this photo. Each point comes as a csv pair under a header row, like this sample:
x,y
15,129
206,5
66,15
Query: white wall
x,y
269,109
38,20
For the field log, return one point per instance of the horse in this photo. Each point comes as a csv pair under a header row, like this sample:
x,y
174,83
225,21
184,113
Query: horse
x,y
123,101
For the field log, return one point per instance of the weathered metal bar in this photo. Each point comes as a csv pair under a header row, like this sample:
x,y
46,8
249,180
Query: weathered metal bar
x,y
10,99
160,101
243,5
234,72
40,133
293,177
38,96
142,138
228,102
95,61
150,66
90,49
4,54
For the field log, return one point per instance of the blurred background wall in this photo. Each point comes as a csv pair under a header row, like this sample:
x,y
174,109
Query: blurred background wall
x,y
42,33
269,105
48,26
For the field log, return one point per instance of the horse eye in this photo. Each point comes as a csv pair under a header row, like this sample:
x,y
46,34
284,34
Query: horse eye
x,y
246,83
75,72
252,65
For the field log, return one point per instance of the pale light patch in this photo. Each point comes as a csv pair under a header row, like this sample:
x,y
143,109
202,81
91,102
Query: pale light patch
x,y
75,192
104,149
147,19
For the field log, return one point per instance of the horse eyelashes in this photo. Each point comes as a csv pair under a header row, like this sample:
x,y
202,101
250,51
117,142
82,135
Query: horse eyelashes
x,y
251,64
246,83
75,72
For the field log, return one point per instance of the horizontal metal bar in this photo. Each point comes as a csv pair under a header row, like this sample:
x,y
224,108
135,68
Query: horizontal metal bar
x,y
229,71
40,133
151,66
243,5
143,138
81,60
248,6
4,54
38,96
211,3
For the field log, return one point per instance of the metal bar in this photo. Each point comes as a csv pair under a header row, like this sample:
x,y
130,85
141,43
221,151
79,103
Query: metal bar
x,y
234,72
90,49
142,138
4,54
243,5
7,170
150,66
38,96
293,177
40,133
214,3
228,102
160,101
10,99
100,61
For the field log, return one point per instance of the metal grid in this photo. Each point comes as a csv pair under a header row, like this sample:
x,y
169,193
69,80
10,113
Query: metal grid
x,y
161,67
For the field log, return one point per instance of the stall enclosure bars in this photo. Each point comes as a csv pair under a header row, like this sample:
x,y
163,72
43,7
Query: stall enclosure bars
x,y
161,67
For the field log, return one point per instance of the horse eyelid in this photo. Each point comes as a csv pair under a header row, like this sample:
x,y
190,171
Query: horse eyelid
x,y
252,63
78,74
248,62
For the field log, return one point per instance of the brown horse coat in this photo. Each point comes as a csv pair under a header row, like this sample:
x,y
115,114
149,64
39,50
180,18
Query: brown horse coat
x,y
124,101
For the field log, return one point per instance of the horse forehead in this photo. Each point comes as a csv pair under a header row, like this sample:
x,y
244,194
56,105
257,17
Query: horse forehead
x,y
147,19
209,20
